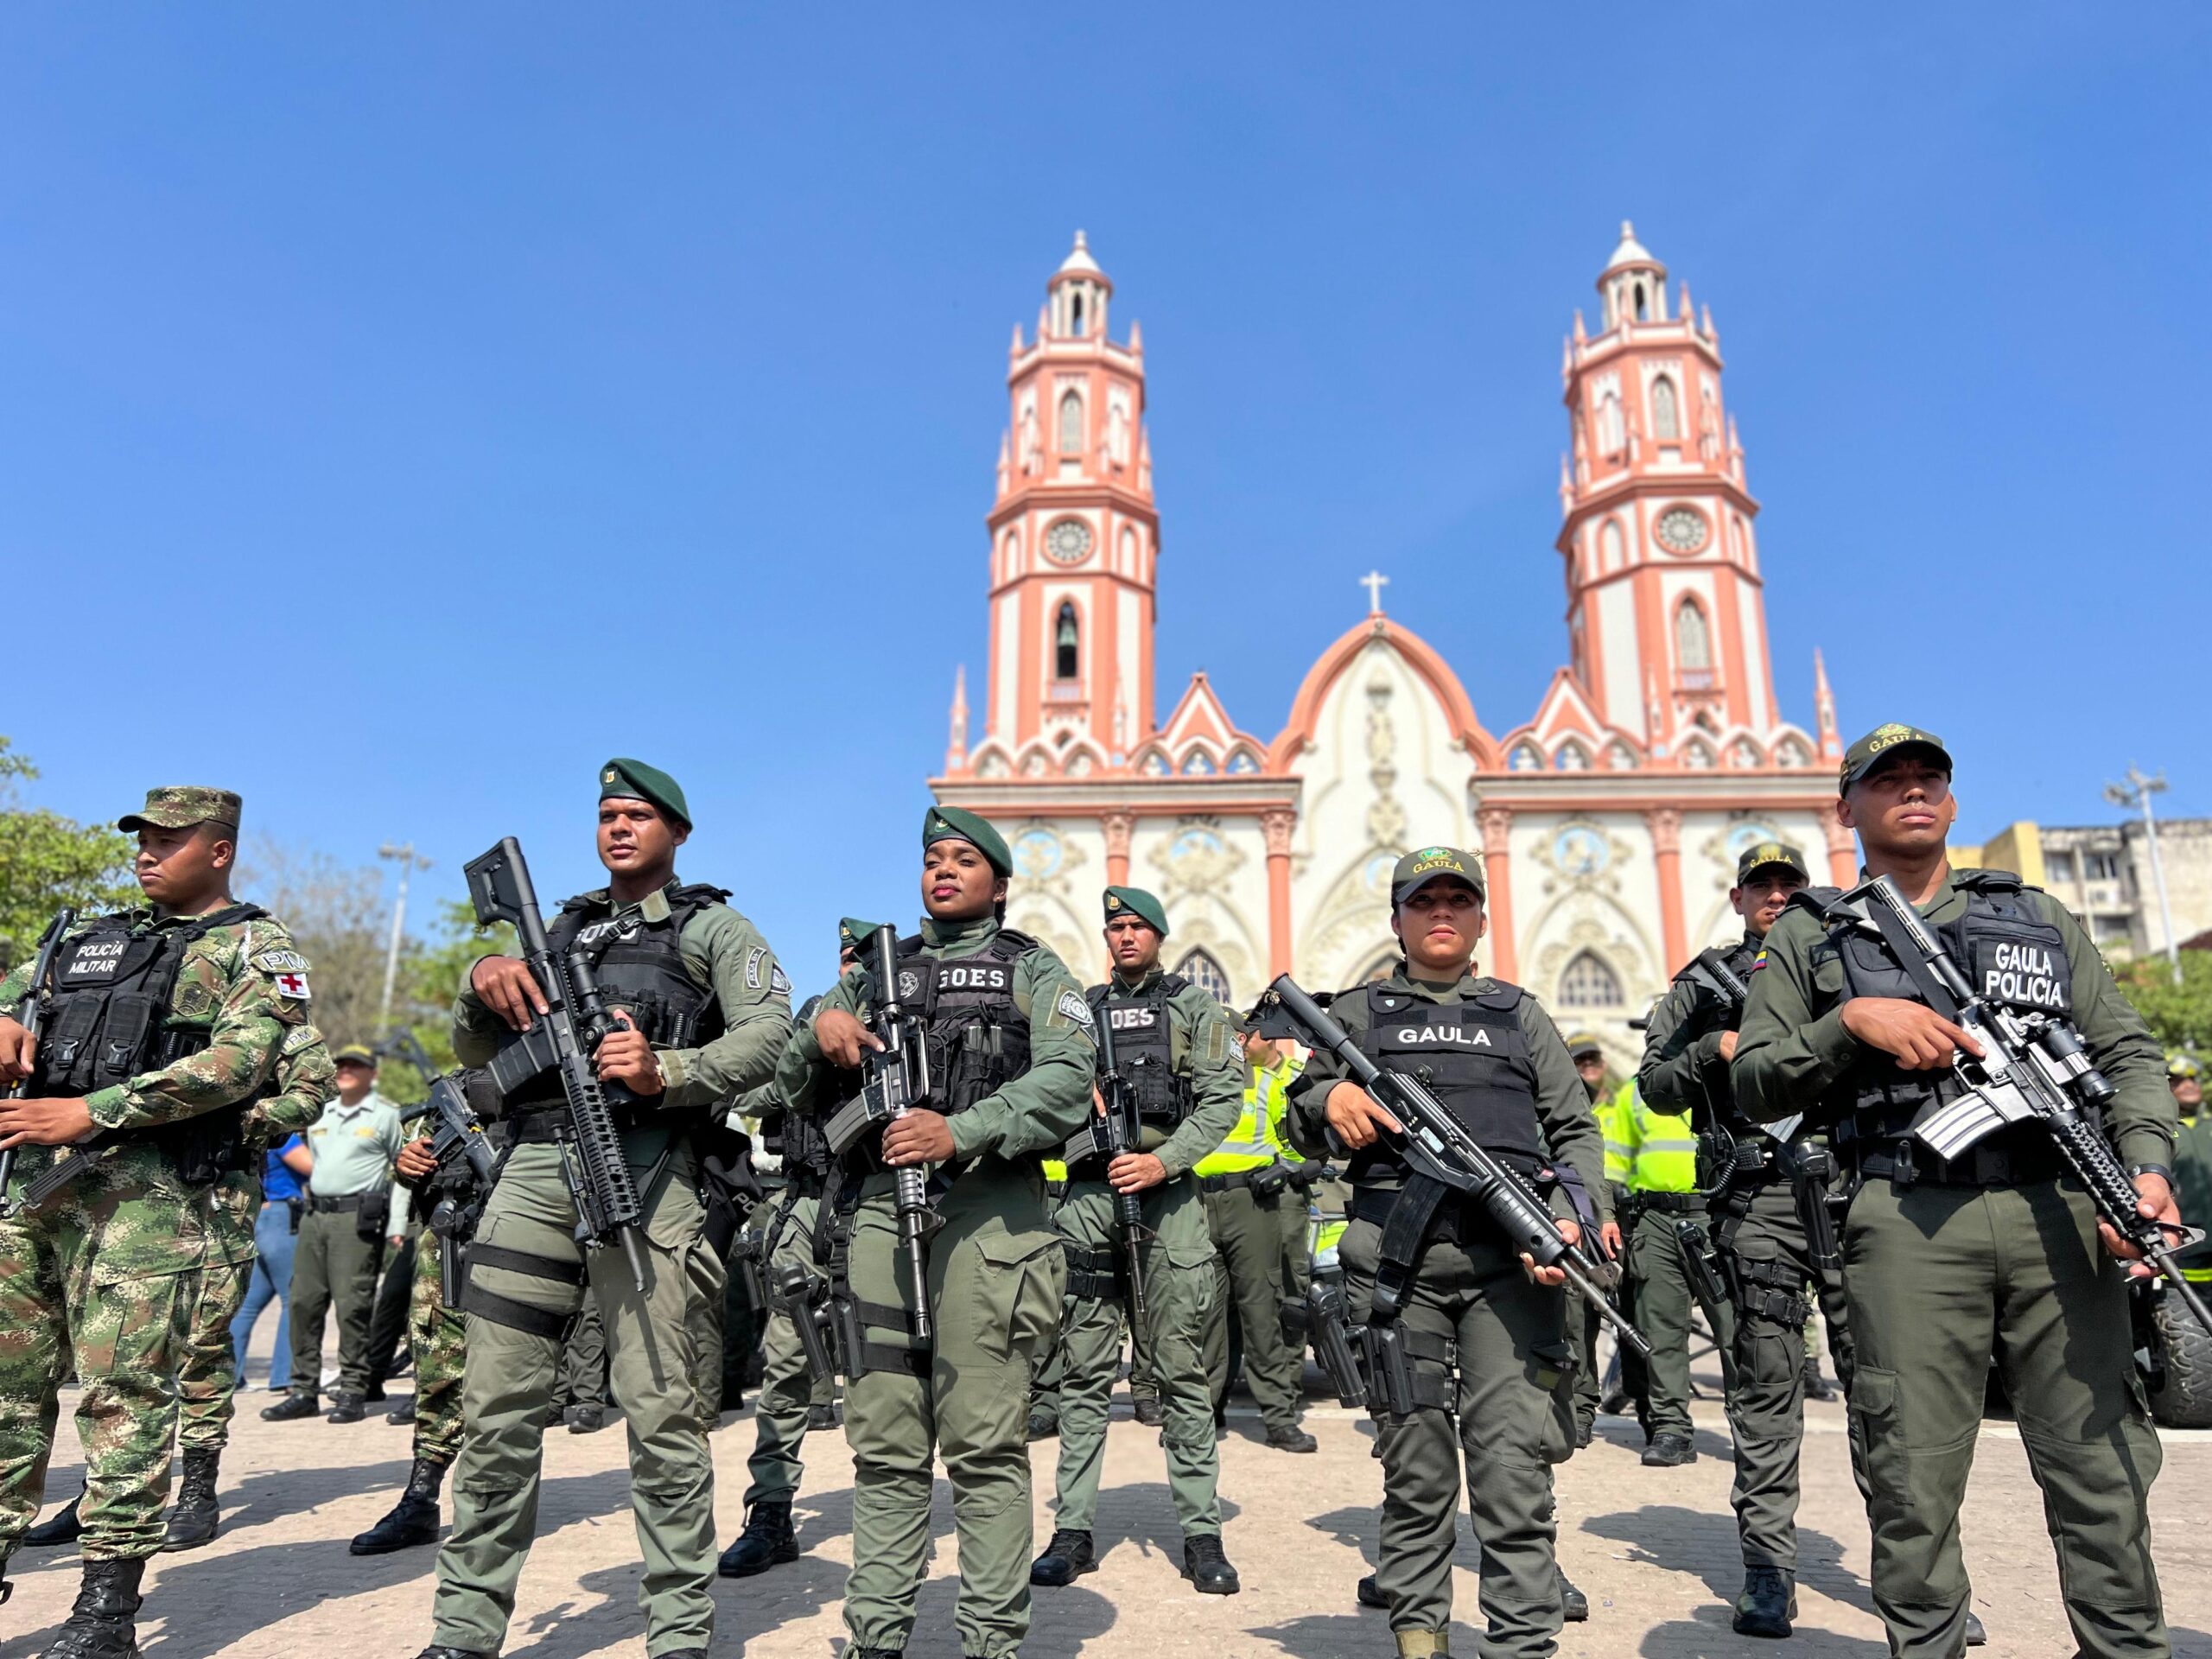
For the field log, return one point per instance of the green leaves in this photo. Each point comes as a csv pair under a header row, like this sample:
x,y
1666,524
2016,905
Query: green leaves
x,y
48,861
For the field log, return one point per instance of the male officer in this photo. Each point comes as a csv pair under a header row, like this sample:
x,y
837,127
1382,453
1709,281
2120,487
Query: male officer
x,y
1009,1040
1583,1321
791,1394
159,1026
1947,1263
342,1239
1450,1291
1174,1050
708,1013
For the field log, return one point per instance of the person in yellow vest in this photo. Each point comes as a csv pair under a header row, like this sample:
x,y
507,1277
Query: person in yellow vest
x,y
2192,1161
1670,1257
1296,1211
1246,1187
1051,1365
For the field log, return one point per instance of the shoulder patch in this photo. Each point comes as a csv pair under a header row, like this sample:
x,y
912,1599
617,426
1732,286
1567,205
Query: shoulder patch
x,y
281,962
300,1037
1757,962
293,986
754,958
1077,1007
778,983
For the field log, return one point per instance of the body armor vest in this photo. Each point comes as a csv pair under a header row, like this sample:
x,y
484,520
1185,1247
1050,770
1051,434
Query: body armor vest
x,y
975,1034
110,1018
639,967
1718,1104
2010,954
1144,1047
1473,1055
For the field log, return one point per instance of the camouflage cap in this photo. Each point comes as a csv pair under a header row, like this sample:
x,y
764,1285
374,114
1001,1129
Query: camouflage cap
x,y
2179,1066
1584,1045
633,780
958,823
1760,854
1862,757
1136,901
355,1054
1417,870
181,806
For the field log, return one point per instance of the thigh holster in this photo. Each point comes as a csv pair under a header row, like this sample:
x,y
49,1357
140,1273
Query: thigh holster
x,y
1407,1370
1770,1290
856,1355
505,1310
1093,1275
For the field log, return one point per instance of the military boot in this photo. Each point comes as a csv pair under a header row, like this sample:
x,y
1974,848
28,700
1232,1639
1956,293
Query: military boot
x,y
1668,1450
1817,1386
64,1528
586,1420
402,1414
413,1520
1370,1593
102,1623
194,1520
1149,1411
292,1408
1067,1559
1207,1568
346,1408
1574,1606
768,1540
824,1417
1044,1425
439,1650
1293,1439
1768,1604
1976,1637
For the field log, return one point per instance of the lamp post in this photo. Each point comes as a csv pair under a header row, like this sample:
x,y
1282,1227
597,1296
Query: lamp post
x,y
404,855
2137,792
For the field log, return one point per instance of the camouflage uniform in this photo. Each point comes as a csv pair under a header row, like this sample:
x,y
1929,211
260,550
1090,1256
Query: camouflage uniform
x,y
438,1340
107,1271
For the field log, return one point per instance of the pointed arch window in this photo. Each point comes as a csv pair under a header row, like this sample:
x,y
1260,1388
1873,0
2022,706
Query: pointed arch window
x,y
1203,971
1693,639
1610,549
1611,433
1067,644
1589,983
1071,424
1666,411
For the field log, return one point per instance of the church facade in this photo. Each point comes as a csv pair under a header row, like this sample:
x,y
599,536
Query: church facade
x,y
1608,819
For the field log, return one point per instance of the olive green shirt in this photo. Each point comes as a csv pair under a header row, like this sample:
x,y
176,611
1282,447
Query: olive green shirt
x,y
1034,1113
1203,1048
1793,1048
722,950
1563,1110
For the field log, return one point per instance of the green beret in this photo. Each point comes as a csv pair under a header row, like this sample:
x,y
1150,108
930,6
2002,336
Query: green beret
x,y
1136,901
633,780
852,932
958,823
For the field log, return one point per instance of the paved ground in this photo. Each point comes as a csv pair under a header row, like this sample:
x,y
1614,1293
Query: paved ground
x,y
1655,1549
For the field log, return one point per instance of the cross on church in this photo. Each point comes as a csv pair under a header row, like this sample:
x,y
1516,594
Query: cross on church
x,y
1375,582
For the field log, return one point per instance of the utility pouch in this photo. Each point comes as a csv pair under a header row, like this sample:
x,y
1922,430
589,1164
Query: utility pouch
x,y
369,1219
295,1209
1268,1183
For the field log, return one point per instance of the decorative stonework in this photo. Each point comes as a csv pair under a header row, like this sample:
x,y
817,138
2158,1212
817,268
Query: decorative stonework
x,y
1581,855
1386,816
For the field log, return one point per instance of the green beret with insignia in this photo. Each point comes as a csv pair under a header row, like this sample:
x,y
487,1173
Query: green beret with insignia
x,y
1585,1045
1417,870
1136,901
1760,854
633,780
852,932
355,1054
958,823
181,806
1876,746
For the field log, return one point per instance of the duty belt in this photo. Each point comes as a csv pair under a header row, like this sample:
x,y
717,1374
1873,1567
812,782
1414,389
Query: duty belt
x,y
1459,1218
1905,1161
1264,1182
318,1205
1678,1204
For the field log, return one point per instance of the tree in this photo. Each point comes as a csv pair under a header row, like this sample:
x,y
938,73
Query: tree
x,y
336,914
47,862
2179,1015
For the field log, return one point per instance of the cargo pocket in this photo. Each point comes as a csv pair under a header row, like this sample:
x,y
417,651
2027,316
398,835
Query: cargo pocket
x,y
1878,1428
1023,1278
1552,1367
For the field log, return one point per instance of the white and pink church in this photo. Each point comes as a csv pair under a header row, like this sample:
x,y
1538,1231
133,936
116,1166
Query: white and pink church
x,y
1608,820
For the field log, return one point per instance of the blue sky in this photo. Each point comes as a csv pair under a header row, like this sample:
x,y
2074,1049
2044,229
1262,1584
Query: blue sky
x,y
403,412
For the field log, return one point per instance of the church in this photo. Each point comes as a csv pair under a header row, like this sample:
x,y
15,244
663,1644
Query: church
x,y
1608,818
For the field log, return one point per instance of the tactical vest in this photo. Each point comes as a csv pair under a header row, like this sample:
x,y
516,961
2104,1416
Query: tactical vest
x,y
1708,1015
975,1036
1472,1055
111,1017
639,967
2010,954
1144,1047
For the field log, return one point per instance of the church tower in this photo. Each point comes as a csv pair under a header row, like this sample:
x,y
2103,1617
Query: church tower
x,y
1666,613
1075,537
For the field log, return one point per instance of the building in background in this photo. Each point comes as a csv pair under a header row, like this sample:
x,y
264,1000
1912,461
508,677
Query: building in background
x,y
2101,873
1609,818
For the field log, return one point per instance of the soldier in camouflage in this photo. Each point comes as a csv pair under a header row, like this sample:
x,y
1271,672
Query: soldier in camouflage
x,y
159,1026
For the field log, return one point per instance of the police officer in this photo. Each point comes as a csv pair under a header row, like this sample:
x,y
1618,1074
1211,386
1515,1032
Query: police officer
x,y
2192,1162
1994,1252
1583,1321
1767,1193
161,1025
1482,1328
708,1013
1011,1049
792,1398
1175,1048
342,1239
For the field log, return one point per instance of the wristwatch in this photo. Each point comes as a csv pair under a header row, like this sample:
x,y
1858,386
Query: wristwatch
x,y
2160,1169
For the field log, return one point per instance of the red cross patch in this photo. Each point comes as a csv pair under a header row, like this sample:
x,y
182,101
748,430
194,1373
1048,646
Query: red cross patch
x,y
293,986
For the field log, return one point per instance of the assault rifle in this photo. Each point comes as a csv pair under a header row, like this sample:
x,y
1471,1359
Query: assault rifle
x,y
1107,1136
899,1080
458,1143
2032,1069
561,1040
31,1018
1438,1145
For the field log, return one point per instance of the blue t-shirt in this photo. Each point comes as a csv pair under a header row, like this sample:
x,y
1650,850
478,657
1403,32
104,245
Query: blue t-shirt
x,y
277,1182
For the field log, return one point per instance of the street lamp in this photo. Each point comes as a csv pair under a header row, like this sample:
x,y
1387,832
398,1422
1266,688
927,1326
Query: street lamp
x,y
408,862
2137,792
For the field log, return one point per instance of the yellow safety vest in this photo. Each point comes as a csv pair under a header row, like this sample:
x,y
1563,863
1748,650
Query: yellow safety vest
x,y
1253,1144
1611,1110
1662,1146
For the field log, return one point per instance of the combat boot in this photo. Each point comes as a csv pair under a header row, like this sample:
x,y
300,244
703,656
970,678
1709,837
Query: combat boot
x,y
1976,1637
1043,1425
1149,1411
1067,1559
102,1625
1768,1604
1370,1593
1207,1568
824,1417
64,1528
1668,1450
586,1420
196,1516
438,1650
346,1408
291,1409
1293,1439
1817,1386
1574,1606
768,1540
413,1520
403,1413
